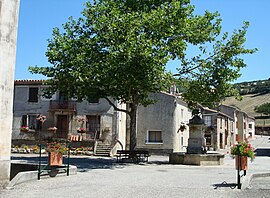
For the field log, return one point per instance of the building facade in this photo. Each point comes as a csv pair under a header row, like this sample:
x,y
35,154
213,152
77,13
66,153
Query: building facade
x,y
244,125
38,118
163,126
219,132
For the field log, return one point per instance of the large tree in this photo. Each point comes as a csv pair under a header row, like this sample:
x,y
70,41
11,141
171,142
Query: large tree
x,y
207,78
119,50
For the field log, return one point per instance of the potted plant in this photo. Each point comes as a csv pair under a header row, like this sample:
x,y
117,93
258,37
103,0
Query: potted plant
x,y
244,150
52,129
182,127
81,130
24,129
56,151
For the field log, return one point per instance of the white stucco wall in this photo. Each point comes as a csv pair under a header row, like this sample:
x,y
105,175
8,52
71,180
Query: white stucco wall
x,y
164,116
251,130
182,117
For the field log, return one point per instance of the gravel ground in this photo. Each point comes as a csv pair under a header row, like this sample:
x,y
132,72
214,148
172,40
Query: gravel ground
x,y
102,177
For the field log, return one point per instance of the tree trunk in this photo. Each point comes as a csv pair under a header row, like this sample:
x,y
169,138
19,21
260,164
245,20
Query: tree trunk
x,y
133,127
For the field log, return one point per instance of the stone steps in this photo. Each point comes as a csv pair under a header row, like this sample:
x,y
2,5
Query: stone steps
x,y
103,149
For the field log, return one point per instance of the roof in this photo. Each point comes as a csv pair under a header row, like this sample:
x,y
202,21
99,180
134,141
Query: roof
x,y
29,82
239,110
216,112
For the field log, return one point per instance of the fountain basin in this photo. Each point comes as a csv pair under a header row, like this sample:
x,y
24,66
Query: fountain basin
x,y
208,159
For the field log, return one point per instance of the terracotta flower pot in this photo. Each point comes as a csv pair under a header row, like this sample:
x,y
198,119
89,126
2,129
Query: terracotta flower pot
x,y
55,159
243,162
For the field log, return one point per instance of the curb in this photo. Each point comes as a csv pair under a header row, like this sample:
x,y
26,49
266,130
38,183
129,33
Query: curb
x,y
247,180
26,176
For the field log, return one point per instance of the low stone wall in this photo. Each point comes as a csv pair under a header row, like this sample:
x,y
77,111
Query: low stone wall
x,y
212,159
23,172
157,151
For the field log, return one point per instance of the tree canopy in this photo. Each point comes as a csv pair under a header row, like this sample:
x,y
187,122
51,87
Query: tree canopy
x,y
120,48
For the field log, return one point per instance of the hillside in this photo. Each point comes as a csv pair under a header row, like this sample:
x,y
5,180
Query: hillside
x,y
253,87
248,103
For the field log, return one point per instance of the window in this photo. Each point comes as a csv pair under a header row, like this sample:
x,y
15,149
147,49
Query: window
x,y
250,126
62,98
33,94
182,141
93,125
232,125
31,121
208,138
221,123
154,137
208,120
93,100
182,114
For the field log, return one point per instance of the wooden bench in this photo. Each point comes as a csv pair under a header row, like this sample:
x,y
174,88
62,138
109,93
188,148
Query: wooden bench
x,y
132,156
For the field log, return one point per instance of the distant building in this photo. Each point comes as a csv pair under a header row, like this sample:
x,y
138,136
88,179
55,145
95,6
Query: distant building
x,y
244,125
219,131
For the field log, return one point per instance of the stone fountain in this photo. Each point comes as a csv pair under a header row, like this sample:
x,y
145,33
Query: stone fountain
x,y
196,151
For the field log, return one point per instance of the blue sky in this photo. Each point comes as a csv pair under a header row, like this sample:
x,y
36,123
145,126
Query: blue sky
x,y
37,18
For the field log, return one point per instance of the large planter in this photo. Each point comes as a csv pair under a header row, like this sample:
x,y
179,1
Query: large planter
x,y
55,159
243,162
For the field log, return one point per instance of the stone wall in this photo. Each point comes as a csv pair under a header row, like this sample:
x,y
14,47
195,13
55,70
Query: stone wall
x,y
8,39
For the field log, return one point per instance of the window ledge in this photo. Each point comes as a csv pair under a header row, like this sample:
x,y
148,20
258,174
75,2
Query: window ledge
x,y
153,142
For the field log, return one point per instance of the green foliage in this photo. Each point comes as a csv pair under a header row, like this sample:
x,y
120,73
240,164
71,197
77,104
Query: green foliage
x,y
263,109
253,87
210,76
120,48
243,149
57,148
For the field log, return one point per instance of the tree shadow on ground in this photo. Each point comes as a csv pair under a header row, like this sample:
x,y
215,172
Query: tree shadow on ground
x,y
83,163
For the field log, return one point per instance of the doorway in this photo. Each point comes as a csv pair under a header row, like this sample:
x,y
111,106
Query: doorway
x,y
62,126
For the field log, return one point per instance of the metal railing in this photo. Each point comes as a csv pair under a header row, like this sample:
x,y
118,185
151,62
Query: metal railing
x,y
64,105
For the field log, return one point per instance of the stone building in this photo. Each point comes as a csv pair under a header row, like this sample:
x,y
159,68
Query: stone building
x,y
219,131
244,125
68,117
226,126
162,126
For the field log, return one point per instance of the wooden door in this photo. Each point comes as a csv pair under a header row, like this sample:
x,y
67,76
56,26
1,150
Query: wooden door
x,y
62,126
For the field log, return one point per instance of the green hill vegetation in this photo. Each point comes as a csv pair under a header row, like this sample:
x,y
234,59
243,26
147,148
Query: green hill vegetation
x,y
253,87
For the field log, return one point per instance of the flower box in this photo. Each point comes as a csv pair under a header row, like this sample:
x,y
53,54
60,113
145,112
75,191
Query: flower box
x,y
24,129
57,147
52,129
81,130
243,150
